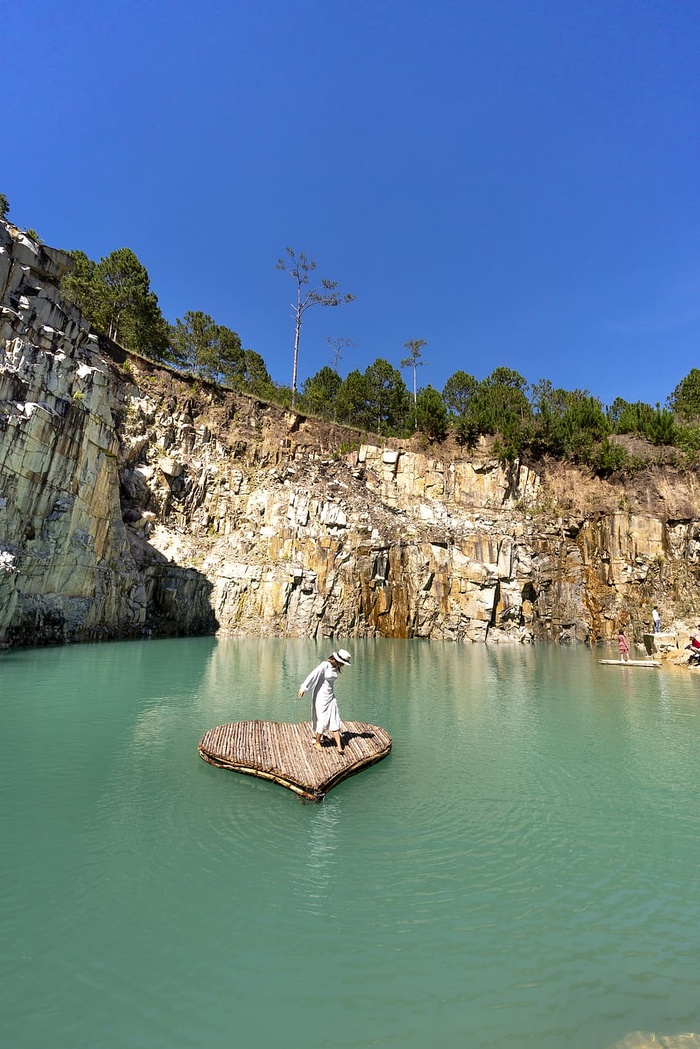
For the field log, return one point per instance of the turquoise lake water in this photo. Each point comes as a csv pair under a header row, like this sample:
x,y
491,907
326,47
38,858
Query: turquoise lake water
x,y
521,871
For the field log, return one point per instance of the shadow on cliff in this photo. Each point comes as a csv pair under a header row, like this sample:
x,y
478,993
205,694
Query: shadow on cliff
x,y
176,599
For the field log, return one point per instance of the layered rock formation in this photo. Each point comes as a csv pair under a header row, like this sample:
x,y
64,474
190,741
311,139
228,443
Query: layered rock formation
x,y
69,569
134,500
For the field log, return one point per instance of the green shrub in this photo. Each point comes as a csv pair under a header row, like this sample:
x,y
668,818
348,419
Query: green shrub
x,y
608,458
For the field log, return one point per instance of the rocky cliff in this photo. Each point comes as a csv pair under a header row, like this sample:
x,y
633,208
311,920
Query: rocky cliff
x,y
136,501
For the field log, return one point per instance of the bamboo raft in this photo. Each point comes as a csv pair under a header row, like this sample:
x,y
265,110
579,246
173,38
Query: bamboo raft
x,y
283,753
631,662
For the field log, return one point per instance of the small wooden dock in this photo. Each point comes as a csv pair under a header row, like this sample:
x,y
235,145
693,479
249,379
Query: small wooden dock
x,y
284,753
631,662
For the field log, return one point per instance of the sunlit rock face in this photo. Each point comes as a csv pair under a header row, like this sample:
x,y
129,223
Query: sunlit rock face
x,y
67,570
136,501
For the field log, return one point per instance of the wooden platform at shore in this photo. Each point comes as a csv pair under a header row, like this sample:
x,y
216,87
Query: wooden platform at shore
x,y
284,753
631,662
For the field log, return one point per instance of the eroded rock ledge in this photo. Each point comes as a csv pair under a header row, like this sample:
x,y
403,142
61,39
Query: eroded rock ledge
x,y
134,501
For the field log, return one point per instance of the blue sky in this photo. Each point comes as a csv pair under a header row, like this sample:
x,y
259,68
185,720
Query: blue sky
x,y
515,181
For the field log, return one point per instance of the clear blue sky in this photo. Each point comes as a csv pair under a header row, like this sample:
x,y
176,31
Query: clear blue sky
x,y
515,181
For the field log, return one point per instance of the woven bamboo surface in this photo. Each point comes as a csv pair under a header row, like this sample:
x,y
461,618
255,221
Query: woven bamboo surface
x,y
284,753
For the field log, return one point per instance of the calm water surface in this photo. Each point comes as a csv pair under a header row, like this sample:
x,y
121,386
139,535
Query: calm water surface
x,y
521,871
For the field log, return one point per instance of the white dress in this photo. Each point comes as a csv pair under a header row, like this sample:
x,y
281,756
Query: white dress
x,y
325,716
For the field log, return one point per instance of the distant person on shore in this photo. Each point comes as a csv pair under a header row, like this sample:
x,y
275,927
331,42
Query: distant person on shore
x,y
657,620
694,646
623,645
325,716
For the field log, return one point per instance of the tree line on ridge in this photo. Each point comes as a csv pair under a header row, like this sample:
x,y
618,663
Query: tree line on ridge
x,y
537,419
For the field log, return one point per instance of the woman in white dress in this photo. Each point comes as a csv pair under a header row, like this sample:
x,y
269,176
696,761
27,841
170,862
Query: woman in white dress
x,y
325,716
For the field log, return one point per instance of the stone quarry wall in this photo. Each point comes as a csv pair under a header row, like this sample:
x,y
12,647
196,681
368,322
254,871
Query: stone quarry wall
x,y
135,501
69,569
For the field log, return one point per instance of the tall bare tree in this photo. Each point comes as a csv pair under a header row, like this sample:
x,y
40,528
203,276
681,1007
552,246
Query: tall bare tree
x,y
414,346
300,267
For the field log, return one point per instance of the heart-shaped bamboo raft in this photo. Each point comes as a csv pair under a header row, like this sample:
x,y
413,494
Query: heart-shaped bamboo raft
x,y
284,753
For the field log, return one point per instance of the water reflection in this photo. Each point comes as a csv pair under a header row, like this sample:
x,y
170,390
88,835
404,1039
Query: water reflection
x,y
247,679
647,1040
524,859
316,881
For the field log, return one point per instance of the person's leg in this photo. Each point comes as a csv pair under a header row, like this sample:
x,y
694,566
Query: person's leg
x,y
338,741
317,741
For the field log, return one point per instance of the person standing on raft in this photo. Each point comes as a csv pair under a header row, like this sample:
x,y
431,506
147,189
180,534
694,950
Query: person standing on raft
x,y
325,716
623,645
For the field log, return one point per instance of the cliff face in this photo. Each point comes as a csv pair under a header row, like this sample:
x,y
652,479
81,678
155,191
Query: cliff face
x,y
134,501
69,569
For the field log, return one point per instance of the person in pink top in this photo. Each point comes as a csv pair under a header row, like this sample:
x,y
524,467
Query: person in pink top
x,y
623,645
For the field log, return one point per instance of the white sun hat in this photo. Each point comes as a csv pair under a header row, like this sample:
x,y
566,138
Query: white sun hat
x,y
343,656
